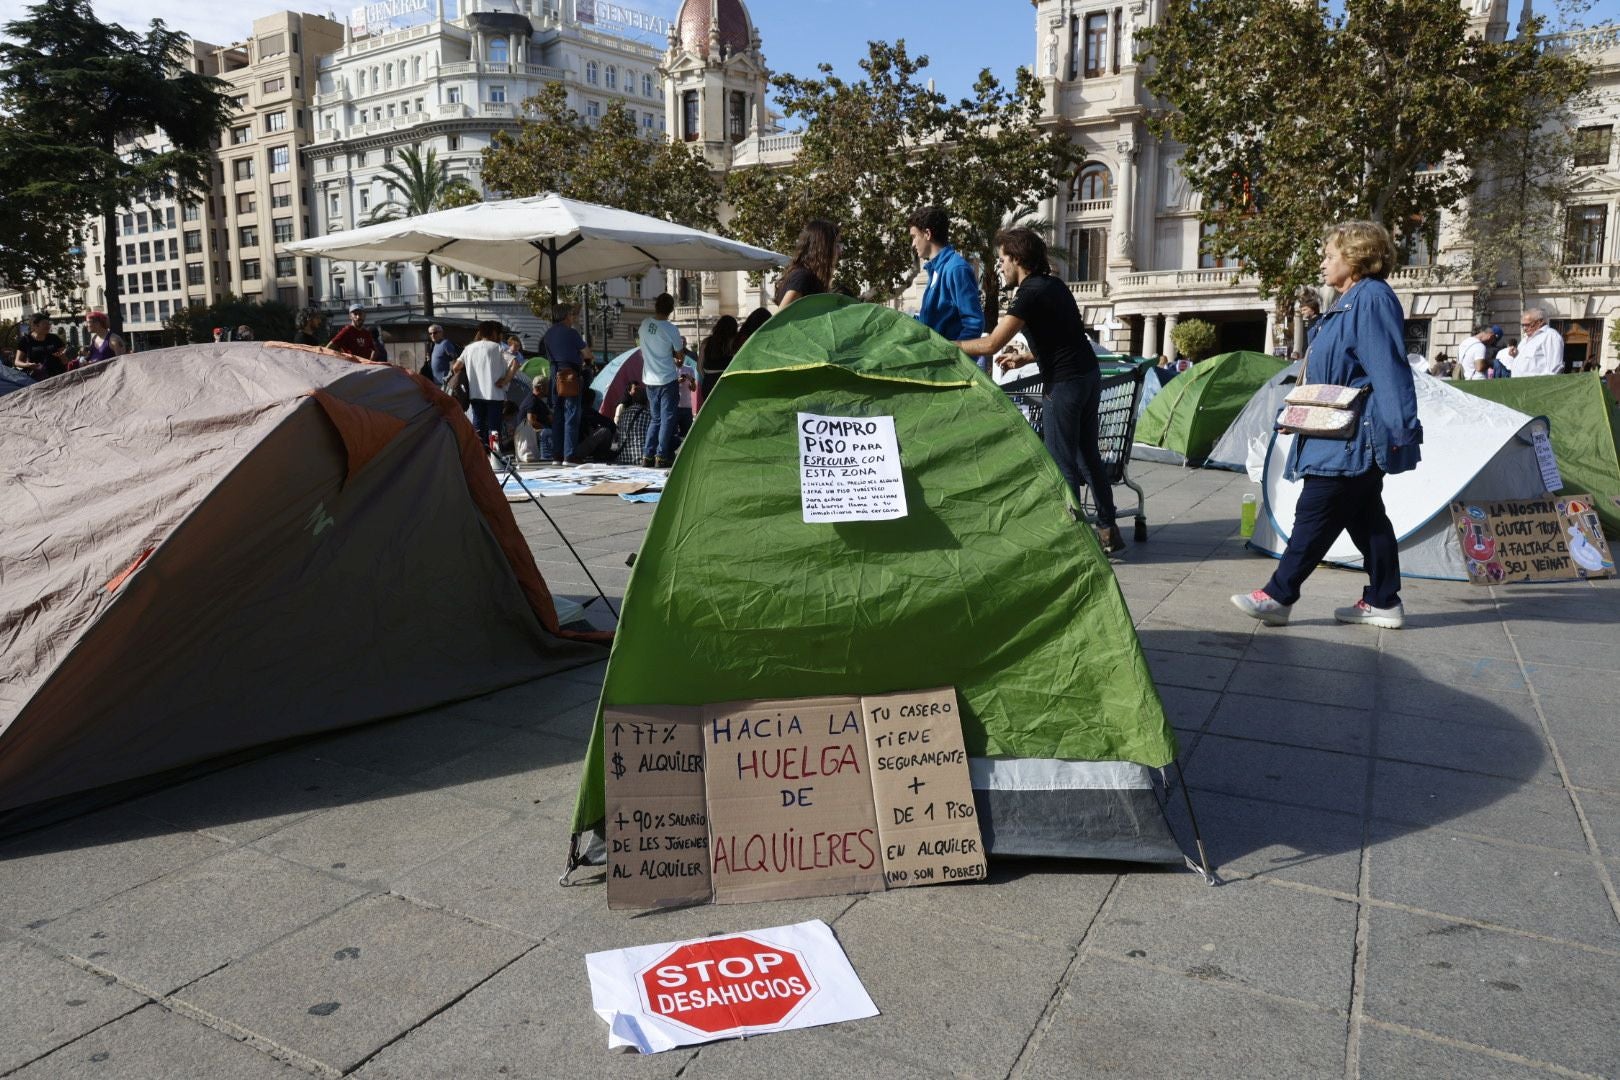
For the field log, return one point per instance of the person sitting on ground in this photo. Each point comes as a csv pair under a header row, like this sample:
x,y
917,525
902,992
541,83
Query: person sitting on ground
x,y
534,415
244,332
40,353
632,418
815,258
488,371
104,344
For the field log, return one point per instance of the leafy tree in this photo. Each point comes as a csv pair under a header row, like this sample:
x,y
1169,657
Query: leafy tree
x,y
419,184
270,320
36,237
1194,338
1295,116
886,144
609,162
79,93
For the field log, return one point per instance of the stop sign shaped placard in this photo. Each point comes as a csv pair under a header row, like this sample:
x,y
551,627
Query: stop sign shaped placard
x,y
723,986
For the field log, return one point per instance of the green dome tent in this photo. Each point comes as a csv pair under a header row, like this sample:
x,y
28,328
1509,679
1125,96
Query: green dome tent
x,y
1184,420
988,584
1584,424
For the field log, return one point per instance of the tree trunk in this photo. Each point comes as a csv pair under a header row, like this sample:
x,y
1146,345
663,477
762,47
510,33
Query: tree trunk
x,y
425,269
109,267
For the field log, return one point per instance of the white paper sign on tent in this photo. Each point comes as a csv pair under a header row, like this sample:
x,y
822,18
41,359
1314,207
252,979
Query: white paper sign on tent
x,y
658,997
849,469
1551,478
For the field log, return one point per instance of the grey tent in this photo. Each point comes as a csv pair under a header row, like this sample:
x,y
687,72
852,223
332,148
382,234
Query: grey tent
x,y
1243,447
219,546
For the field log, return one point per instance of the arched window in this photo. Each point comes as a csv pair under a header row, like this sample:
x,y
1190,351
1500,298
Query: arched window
x,y
1093,182
611,77
591,72
646,86
498,50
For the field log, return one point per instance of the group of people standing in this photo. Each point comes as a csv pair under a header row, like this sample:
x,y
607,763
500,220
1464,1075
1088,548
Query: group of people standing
x,y
1485,355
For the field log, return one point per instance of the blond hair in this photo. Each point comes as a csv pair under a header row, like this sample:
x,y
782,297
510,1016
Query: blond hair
x,y
1365,245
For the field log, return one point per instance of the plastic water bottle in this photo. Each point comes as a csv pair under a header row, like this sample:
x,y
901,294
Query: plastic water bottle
x,y
1250,510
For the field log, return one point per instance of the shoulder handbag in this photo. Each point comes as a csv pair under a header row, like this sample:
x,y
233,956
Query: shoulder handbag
x,y
1321,410
568,382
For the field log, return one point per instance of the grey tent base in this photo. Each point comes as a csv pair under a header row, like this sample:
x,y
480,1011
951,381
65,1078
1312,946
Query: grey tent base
x,y
1144,452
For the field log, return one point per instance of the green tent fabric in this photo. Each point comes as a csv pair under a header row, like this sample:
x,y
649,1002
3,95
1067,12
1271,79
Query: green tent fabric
x,y
1585,430
988,584
1195,408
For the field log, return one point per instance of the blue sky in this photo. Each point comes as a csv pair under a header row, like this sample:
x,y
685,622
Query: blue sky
x,y
958,36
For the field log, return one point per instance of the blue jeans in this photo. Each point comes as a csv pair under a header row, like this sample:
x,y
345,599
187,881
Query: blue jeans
x,y
1069,424
661,426
564,425
1329,505
486,418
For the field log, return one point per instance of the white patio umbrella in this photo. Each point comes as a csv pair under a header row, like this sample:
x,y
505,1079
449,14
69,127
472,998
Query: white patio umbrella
x,y
527,241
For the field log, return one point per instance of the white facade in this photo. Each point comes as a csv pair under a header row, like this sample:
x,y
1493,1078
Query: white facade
x,y
1129,220
448,84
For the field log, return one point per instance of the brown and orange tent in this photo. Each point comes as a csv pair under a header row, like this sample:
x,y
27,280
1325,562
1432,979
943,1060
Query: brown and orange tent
x,y
210,548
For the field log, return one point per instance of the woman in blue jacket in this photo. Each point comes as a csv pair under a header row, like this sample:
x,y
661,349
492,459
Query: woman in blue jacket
x,y
1359,342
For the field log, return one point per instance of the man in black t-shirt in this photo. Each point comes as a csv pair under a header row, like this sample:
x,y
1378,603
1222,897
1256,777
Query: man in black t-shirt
x,y
1045,311
40,353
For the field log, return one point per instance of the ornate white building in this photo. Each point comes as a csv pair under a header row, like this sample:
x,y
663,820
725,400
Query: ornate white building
x,y
445,76
1129,221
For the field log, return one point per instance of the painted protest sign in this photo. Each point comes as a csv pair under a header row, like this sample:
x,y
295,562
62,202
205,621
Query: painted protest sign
x,y
789,800
927,821
658,997
1555,538
657,823
849,469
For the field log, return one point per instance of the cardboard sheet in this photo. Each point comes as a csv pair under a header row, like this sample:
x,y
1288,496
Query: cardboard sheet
x,y
657,823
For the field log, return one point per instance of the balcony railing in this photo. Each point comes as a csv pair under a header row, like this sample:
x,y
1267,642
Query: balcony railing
x,y
1089,207
1088,289
1225,276
1592,273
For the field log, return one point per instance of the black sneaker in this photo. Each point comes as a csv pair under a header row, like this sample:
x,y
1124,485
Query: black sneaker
x,y
662,463
1113,542
647,463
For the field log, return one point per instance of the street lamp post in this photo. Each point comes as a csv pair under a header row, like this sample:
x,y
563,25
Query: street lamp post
x,y
611,314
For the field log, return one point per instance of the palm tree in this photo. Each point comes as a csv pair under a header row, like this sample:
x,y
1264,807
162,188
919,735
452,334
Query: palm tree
x,y
419,184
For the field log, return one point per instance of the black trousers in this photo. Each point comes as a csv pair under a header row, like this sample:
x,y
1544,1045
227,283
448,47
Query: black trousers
x,y
1329,505
1069,422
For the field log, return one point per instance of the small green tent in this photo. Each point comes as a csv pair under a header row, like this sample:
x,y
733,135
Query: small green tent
x,y
989,584
1185,419
1584,424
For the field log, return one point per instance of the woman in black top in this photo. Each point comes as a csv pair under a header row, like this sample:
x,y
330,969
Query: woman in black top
x,y
717,352
1045,311
39,352
810,270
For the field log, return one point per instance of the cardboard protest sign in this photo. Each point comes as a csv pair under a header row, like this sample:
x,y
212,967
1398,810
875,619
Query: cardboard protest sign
x,y
789,800
849,469
1556,538
658,997
927,821
657,824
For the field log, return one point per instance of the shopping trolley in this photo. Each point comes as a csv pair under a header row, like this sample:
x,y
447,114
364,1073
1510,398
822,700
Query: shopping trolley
x,y
1116,429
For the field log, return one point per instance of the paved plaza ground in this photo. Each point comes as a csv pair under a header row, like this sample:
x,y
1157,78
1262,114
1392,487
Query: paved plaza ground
x,y
1419,832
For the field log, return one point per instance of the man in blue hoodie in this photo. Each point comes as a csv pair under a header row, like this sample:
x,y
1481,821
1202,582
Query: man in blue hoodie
x,y
950,305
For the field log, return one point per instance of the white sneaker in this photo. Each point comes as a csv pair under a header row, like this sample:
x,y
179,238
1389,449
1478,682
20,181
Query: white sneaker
x,y
1392,618
1260,605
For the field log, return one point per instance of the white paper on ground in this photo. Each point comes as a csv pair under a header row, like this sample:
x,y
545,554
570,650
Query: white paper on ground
x,y
620,994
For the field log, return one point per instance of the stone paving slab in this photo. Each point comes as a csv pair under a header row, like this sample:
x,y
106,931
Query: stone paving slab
x,y
153,1043
348,985
46,1002
1120,1020
1546,1001
184,925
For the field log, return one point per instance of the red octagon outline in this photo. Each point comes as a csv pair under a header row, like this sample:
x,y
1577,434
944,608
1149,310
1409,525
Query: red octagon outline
x,y
709,945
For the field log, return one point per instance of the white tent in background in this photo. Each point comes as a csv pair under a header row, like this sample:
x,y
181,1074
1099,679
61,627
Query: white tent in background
x,y
1472,449
1243,447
